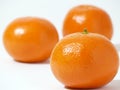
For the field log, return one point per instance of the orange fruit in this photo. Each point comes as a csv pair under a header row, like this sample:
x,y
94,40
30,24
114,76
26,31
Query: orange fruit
x,y
30,39
91,17
84,60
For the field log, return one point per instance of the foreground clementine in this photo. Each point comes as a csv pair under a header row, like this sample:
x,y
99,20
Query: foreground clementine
x,y
84,60
93,18
30,39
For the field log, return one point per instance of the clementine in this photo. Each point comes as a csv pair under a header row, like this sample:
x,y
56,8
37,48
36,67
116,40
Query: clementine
x,y
91,17
30,39
84,60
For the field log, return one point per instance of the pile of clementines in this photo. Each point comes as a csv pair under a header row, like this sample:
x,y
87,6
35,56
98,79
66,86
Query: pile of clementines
x,y
84,58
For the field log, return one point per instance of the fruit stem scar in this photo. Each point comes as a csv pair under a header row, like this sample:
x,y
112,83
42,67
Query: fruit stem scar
x,y
85,31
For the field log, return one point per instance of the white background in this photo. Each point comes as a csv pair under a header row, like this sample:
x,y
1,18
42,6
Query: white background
x,y
22,76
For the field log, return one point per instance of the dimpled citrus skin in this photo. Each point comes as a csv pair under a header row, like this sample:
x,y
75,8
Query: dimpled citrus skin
x,y
84,61
91,17
30,39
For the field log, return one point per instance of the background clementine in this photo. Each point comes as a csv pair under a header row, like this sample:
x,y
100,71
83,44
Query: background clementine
x,y
91,17
84,60
30,39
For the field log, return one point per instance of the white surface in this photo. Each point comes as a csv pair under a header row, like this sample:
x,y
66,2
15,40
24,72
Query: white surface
x,y
22,76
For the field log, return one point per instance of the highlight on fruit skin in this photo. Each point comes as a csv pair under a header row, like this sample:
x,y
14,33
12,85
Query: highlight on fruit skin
x,y
30,39
95,19
83,60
